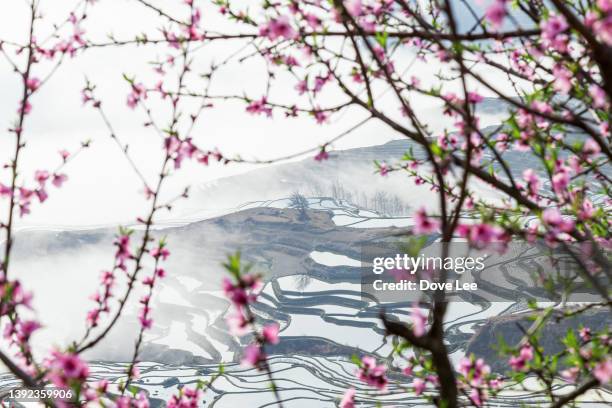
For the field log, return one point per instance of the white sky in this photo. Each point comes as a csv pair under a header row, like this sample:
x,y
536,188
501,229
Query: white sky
x,y
101,188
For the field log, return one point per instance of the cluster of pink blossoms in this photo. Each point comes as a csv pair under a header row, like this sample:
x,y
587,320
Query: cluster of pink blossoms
x,y
372,373
138,93
276,28
259,106
186,398
24,195
64,46
66,370
367,14
160,253
554,34
424,224
139,401
600,21
242,294
475,375
481,234
192,30
12,295
421,376
107,281
520,361
17,332
178,150
419,321
496,13
123,254
478,235
603,371
599,366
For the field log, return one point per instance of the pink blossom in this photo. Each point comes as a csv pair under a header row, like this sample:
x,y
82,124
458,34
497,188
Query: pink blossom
x,y
465,365
591,147
604,128
372,374
19,296
138,92
599,96
603,29
348,399
41,176
145,321
270,333
24,209
474,97
144,315
587,210
278,28
135,372
563,79
423,224
561,179
383,169
65,154
141,400
313,21
518,363
320,81
42,195
253,355
160,252
475,397
33,83
603,371
570,374
590,18
25,194
66,367
302,87
533,181
419,320
180,402
320,116
354,7
25,107
260,106
553,218
322,155
483,234
496,13
605,5
93,317
238,325
5,191
22,330
59,179
554,26
123,250
585,333
419,386
291,61
239,294
173,39
474,370
186,398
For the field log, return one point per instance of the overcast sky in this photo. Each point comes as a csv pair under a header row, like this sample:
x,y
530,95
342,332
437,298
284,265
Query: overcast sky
x,y
101,188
